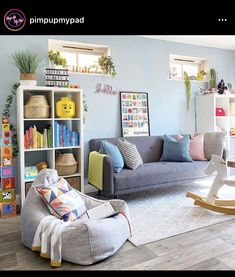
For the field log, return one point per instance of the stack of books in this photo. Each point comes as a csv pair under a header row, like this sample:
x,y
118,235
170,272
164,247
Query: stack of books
x,y
64,137
33,139
57,77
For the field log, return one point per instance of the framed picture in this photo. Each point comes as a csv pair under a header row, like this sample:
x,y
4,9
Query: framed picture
x,y
134,114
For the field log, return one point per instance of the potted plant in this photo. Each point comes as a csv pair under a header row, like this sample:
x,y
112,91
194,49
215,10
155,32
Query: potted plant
x,y
187,83
56,59
107,66
27,63
213,78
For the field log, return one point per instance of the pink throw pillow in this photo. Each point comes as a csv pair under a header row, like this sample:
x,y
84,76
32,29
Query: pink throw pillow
x,y
196,149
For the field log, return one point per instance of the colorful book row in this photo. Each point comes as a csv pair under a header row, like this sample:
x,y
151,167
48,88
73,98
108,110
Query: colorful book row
x,y
64,137
33,139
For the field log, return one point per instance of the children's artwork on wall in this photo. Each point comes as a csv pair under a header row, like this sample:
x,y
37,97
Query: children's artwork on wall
x,y
134,114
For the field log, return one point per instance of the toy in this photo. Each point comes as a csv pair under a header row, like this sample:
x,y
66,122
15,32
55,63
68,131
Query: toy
x,y
74,86
31,172
42,165
212,202
65,108
7,179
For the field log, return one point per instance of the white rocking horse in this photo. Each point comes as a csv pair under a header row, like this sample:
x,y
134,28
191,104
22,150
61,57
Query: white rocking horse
x,y
212,202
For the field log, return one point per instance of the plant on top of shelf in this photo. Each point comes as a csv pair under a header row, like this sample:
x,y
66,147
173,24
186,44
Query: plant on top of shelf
x,y
56,58
187,83
200,75
107,66
27,62
213,80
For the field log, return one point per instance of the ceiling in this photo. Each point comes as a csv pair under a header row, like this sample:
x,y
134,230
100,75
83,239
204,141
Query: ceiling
x,y
224,42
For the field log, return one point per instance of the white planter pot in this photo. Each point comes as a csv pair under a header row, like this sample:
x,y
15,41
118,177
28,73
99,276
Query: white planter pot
x,y
54,66
28,83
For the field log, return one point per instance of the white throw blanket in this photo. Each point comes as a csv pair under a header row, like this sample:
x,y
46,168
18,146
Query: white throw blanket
x,y
47,239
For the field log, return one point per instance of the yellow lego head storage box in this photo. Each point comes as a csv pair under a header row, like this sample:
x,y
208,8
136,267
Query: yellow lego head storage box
x,y
65,108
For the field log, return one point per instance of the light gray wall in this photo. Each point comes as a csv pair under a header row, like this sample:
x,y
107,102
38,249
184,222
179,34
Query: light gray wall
x,y
142,64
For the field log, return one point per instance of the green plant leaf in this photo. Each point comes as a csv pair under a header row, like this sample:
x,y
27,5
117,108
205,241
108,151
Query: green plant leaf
x,y
187,83
26,61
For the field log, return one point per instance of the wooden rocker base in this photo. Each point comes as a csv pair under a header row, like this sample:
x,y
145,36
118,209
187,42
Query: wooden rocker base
x,y
219,206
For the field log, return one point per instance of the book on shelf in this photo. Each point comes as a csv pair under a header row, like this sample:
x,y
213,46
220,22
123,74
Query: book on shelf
x,y
33,139
64,137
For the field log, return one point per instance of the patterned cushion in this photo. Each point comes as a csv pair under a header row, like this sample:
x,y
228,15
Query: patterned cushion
x,y
130,154
63,201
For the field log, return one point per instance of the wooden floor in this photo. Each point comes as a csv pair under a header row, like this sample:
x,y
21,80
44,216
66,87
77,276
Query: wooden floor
x,y
211,248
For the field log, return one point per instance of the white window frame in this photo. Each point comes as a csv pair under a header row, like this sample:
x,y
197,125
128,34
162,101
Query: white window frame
x,y
78,48
201,63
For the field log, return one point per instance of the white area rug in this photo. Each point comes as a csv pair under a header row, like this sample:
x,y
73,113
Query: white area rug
x,y
166,211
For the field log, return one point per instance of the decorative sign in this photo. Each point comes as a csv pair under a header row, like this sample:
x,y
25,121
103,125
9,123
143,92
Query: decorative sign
x,y
106,89
134,114
57,77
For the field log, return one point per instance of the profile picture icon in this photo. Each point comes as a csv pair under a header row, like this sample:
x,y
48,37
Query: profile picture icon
x,y
14,20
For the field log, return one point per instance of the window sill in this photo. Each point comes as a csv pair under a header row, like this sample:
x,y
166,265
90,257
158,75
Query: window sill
x,y
91,74
197,81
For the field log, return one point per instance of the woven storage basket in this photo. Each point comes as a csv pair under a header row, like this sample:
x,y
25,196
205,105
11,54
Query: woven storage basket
x,y
66,164
36,107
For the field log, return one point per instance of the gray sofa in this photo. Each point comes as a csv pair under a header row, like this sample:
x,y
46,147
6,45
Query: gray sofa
x,y
153,172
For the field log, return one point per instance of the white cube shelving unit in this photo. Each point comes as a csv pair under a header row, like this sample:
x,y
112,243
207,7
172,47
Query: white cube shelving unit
x,y
208,121
33,156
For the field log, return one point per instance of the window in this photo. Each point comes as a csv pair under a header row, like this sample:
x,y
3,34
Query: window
x,y
81,57
196,68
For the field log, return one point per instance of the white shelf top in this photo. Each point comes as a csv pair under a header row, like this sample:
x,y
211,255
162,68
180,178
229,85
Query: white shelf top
x,y
38,149
77,174
72,118
67,147
29,180
55,89
91,74
37,119
72,175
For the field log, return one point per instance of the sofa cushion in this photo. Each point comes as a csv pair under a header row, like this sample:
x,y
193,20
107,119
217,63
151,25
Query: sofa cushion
x,y
152,174
150,148
176,150
130,154
112,150
196,148
214,143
